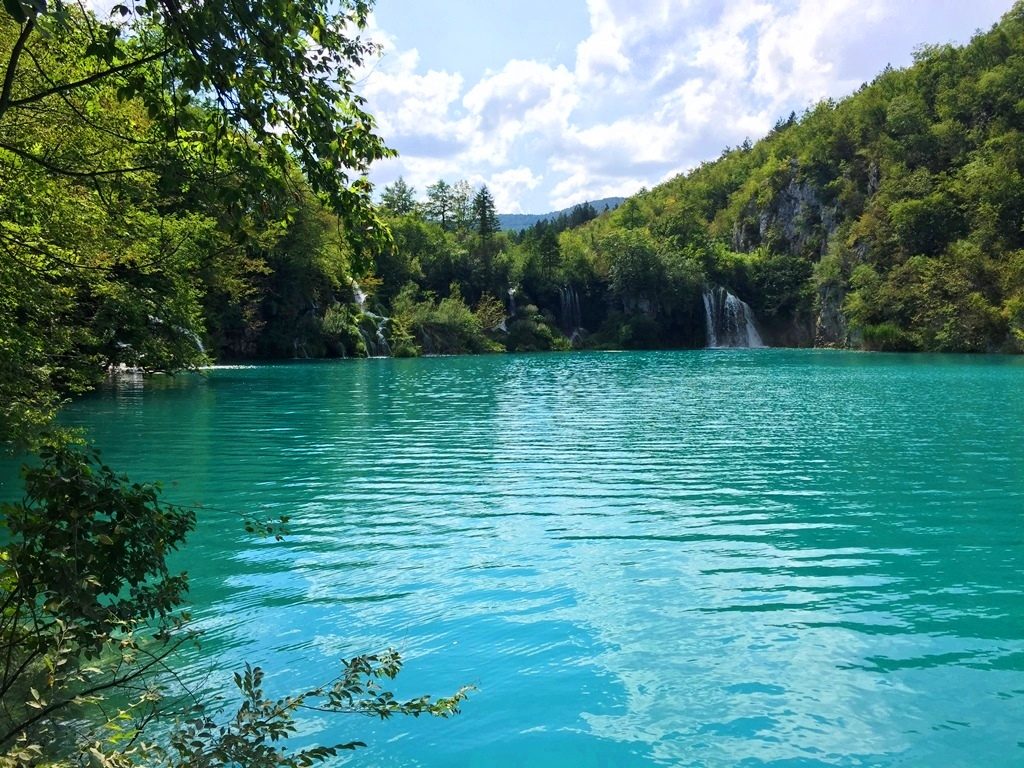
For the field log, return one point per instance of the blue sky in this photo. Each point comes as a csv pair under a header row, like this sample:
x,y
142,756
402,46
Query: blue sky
x,y
554,102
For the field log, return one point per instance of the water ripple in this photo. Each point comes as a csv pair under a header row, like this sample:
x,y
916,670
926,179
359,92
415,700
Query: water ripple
x,y
708,558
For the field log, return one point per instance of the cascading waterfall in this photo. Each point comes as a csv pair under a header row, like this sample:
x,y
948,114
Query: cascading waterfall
x,y
730,320
188,333
371,326
570,314
359,296
512,302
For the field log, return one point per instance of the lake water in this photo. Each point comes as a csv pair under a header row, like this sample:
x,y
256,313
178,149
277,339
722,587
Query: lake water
x,y
715,558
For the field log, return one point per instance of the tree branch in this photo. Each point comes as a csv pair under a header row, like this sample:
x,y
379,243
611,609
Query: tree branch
x,y
12,64
67,171
106,685
96,76
71,105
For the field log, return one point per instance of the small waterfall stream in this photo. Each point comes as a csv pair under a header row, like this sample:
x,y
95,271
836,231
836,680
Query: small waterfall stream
x,y
730,320
188,333
371,326
570,313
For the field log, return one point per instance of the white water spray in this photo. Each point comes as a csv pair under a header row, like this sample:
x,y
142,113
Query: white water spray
x,y
730,320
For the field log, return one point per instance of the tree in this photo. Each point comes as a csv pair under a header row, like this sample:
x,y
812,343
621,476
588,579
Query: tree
x,y
134,154
97,270
84,565
485,217
462,205
440,205
547,249
637,274
580,215
399,198
292,98
485,224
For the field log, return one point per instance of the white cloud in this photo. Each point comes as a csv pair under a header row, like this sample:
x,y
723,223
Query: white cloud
x,y
795,57
525,97
508,187
417,106
601,53
657,85
641,141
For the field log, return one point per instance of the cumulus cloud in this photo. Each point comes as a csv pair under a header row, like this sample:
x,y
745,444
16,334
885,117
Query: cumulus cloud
x,y
524,98
656,87
418,106
508,187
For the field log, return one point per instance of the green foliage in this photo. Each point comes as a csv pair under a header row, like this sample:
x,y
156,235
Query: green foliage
x,y
485,217
904,198
89,607
90,615
532,331
636,274
95,273
441,327
294,99
399,198
781,284
176,177
340,329
886,337
440,204
257,734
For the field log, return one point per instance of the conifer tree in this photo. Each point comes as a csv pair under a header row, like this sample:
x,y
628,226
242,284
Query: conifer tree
x,y
485,217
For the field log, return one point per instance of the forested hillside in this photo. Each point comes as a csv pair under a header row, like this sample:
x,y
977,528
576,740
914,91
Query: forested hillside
x,y
891,220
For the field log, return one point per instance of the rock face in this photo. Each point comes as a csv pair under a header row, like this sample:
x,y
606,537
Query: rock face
x,y
830,328
795,217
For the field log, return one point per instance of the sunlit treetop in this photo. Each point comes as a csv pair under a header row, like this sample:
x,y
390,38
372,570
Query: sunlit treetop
x,y
274,80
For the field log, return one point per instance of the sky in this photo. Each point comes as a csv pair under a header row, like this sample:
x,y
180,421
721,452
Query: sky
x,y
554,102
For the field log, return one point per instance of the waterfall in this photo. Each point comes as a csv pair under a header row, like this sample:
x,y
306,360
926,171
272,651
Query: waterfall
x,y
372,327
371,330
512,302
730,321
188,333
570,314
193,337
359,296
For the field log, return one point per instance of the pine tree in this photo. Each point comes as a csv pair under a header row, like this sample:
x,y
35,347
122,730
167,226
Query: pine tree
x,y
484,215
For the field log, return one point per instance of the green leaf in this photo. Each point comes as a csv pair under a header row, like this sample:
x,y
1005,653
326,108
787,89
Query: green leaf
x,y
16,10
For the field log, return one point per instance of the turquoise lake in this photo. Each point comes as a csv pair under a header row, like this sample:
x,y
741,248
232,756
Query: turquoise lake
x,y
710,558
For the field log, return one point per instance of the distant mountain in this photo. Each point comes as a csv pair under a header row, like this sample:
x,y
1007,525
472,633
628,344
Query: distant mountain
x,y
514,222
